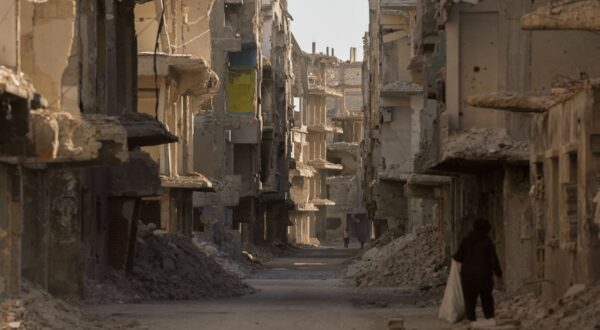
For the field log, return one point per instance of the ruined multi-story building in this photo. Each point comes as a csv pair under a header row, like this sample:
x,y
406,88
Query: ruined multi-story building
x,y
175,83
277,115
564,149
303,216
311,128
346,115
74,175
433,144
398,124
247,127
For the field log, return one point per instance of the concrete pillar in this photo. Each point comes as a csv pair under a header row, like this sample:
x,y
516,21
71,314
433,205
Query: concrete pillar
x,y
167,221
10,230
518,232
260,224
36,228
121,216
65,262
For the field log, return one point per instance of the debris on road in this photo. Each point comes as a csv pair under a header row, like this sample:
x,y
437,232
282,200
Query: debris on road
x,y
242,267
36,309
262,254
411,261
579,308
168,267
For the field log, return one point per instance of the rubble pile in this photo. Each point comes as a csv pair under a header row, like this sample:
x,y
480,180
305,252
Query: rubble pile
x,y
36,309
262,254
241,266
388,237
412,261
168,267
579,308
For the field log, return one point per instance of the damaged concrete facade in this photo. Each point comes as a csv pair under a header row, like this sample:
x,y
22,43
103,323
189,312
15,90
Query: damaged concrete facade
x,y
174,86
248,125
303,216
122,121
526,165
398,124
346,115
310,135
73,174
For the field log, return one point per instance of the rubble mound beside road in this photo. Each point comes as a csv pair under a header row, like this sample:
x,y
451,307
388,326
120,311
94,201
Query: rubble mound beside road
x,y
36,309
411,261
168,267
579,308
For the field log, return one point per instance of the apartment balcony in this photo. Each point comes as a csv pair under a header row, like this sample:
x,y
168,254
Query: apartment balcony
x,y
322,202
193,182
346,147
303,170
321,128
321,164
401,89
306,207
324,91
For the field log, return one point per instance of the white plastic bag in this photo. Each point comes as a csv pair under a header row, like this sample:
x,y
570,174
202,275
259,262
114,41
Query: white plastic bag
x,y
453,304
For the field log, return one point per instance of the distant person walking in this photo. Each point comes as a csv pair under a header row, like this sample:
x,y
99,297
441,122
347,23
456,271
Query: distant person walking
x,y
477,254
346,238
362,229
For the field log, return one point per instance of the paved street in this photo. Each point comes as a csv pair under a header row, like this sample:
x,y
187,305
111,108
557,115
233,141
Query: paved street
x,y
299,291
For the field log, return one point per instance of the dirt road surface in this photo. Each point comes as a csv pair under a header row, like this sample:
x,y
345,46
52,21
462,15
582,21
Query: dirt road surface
x,y
298,292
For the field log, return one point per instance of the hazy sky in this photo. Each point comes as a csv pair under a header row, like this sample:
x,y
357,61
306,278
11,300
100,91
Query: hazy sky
x,y
340,24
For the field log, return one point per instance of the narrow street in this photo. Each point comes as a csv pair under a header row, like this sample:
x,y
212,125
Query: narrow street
x,y
299,291
204,164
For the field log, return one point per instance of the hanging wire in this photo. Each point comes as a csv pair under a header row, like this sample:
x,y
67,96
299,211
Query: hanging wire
x,y
154,68
192,40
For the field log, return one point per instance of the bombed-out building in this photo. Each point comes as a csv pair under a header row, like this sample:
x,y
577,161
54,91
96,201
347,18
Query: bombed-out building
x,y
175,83
246,130
398,124
346,115
498,124
74,174
310,134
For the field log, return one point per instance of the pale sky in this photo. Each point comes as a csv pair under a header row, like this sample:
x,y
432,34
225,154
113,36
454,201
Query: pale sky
x,y
340,24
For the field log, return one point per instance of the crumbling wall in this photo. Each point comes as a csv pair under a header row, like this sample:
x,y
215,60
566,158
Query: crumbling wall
x,y
518,230
392,204
396,141
343,190
41,22
568,178
65,260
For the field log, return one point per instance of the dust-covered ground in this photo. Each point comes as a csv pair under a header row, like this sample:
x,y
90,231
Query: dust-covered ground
x,y
300,290
36,309
579,308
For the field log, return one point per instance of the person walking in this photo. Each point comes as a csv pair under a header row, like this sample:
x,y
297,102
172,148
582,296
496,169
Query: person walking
x,y
346,238
477,254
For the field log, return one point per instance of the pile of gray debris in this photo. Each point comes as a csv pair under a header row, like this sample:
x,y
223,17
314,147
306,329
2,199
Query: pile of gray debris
x,y
170,267
36,309
579,308
411,261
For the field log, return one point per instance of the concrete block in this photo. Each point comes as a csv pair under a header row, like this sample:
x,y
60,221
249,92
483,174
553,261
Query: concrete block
x,y
247,134
395,324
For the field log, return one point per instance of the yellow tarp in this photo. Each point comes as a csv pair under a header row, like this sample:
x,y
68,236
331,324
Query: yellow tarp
x,y
240,91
